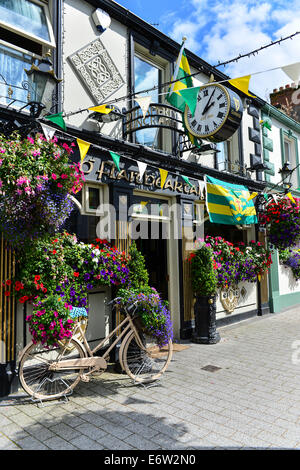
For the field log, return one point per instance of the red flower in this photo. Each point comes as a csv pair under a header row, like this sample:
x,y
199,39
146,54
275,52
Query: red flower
x,y
54,252
8,282
7,293
36,278
76,274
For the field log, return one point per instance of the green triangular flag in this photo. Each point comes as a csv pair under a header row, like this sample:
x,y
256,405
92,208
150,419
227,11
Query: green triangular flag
x,y
266,123
266,196
190,97
57,119
116,159
185,178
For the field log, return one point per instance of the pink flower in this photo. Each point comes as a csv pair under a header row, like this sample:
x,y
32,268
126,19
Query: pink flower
x,y
30,139
2,150
59,185
64,176
1,183
54,176
19,192
1,161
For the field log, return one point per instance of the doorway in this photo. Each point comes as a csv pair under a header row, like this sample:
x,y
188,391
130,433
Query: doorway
x,y
154,251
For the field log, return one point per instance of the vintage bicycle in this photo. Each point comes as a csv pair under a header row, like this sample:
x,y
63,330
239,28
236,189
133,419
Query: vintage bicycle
x,y
51,372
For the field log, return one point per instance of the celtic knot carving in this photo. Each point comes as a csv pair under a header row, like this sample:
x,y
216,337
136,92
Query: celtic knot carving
x,y
96,70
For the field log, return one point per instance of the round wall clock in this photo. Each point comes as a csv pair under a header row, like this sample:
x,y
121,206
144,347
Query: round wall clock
x,y
218,113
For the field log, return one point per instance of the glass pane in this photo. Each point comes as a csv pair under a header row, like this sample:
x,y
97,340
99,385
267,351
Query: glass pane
x,y
25,15
222,156
94,199
12,64
146,76
287,152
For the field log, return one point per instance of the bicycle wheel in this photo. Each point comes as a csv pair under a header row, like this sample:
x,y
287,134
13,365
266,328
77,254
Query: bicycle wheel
x,y
42,383
144,364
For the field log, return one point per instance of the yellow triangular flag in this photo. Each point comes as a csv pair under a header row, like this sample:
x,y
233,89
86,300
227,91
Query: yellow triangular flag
x,y
101,109
163,177
242,84
289,195
83,148
252,196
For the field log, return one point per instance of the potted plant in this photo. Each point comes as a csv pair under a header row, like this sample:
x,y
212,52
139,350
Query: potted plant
x,y
204,283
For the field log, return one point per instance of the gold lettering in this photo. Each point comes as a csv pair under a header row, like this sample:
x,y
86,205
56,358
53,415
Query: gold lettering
x,y
122,175
147,177
102,170
193,190
169,185
178,187
186,189
90,162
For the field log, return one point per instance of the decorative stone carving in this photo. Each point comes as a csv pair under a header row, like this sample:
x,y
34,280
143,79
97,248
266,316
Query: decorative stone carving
x,y
96,70
230,298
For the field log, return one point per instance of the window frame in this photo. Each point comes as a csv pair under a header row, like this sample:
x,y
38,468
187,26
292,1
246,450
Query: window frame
x,y
86,208
289,137
32,37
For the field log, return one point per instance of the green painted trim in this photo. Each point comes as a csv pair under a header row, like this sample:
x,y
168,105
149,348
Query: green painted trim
x,y
268,143
281,117
281,302
271,171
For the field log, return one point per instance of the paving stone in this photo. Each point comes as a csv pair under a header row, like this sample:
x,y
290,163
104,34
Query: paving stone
x,y
57,443
65,431
85,443
30,443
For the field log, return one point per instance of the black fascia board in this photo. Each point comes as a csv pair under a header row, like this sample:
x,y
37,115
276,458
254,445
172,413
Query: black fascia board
x,y
154,157
149,34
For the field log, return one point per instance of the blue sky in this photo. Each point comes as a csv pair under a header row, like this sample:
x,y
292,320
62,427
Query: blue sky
x,y
219,30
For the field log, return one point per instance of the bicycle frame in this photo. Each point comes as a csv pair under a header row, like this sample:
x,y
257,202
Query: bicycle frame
x,y
130,326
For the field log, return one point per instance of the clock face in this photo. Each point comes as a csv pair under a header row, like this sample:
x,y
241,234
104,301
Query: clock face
x,y
213,105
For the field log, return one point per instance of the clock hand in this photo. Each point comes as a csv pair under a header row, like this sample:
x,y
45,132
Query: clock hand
x,y
211,104
207,104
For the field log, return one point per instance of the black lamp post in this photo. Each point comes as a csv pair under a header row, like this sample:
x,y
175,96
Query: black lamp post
x,y
286,174
43,82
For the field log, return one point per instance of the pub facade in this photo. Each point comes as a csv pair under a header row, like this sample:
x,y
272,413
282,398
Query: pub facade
x,y
154,192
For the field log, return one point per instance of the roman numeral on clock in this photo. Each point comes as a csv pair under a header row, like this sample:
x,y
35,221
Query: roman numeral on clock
x,y
205,92
206,128
220,96
199,127
220,115
222,105
194,122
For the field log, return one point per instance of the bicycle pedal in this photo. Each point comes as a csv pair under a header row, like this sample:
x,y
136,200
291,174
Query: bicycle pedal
x,y
85,378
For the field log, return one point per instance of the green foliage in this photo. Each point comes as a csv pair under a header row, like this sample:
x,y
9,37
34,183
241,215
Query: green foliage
x,y
139,276
204,280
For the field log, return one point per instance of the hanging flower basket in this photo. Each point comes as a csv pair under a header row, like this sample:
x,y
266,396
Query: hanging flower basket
x,y
282,220
36,181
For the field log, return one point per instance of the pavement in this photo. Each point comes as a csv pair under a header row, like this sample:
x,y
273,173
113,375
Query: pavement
x,y
249,399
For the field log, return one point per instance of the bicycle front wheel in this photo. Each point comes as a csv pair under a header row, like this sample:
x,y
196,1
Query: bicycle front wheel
x,y
147,363
36,377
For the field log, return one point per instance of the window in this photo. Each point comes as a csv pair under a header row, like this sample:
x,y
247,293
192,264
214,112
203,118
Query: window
x,y
29,18
93,198
289,150
223,156
12,65
147,75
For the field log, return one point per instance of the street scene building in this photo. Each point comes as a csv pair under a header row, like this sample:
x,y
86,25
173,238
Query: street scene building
x,y
148,163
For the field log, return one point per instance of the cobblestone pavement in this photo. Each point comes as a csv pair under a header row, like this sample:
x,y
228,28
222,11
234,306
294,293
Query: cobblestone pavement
x,y
251,401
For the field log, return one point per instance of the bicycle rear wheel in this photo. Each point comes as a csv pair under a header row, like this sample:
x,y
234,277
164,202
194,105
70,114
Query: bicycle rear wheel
x,y
145,364
42,383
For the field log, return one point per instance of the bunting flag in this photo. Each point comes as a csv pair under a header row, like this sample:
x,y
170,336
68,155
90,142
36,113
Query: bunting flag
x,y
116,159
83,148
289,195
292,71
163,177
267,122
190,97
252,196
48,131
57,119
186,179
142,168
144,103
242,84
102,108
181,73
228,203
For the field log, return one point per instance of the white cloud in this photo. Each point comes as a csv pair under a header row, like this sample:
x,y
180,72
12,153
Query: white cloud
x,y
221,30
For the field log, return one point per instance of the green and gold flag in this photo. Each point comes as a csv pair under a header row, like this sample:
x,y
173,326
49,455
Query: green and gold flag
x,y
229,203
182,74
